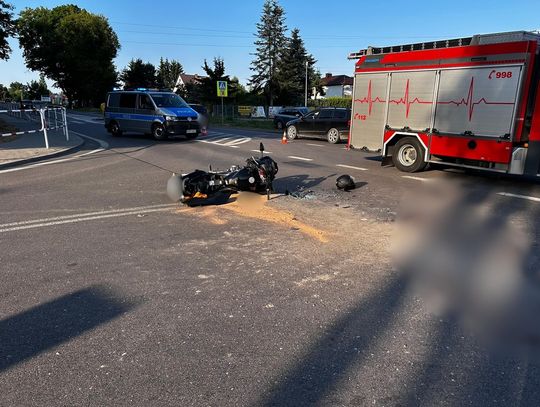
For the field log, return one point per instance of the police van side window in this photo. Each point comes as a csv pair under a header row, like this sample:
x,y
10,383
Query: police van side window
x,y
114,100
145,103
127,100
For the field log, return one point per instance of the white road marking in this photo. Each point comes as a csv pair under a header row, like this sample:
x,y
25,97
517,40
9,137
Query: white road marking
x,y
527,197
416,178
241,140
299,158
84,219
220,140
265,152
351,167
224,141
84,119
79,215
104,145
314,145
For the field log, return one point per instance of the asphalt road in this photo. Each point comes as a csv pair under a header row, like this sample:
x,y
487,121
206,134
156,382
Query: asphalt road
x,y
112,296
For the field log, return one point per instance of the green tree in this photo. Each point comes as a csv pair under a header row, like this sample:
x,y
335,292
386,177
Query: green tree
x,y
139,74
4,92
291,71
17,91
168,73
270,42
36,89
205,90
73,47
8,28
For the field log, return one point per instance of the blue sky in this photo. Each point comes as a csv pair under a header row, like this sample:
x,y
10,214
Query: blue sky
x,y
191,31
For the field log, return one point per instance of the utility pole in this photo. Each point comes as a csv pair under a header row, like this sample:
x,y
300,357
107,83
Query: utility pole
x,y
306,82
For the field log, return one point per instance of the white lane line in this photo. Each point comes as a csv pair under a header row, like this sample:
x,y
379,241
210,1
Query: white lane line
x,y
80,215
104,145
220,140
351,167
314,145
264,152
294,157
527,197
416,178
76,220
232,146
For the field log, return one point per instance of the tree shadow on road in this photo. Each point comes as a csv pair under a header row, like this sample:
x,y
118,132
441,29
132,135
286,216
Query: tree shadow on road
x,y
468,257
29,333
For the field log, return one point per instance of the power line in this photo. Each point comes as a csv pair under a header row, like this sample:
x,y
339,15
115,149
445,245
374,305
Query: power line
x,y
228,46
181,28
329,36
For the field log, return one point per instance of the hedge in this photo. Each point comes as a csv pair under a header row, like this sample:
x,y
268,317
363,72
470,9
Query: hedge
x,y
331,102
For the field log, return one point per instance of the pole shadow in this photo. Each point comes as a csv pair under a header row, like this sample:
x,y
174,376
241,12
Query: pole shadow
x,y
29,333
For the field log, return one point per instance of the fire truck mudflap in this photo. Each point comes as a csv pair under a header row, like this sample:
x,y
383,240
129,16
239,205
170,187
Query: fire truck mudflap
x,y
469,102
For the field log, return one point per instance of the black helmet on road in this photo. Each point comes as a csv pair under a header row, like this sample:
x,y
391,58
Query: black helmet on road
x,y
345,182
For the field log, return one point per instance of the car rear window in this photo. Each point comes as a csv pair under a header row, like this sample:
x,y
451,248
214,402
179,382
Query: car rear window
x,y
340,114
326,114
128,100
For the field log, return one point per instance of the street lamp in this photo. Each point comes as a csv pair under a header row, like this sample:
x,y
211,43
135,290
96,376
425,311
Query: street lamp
x,y
307,62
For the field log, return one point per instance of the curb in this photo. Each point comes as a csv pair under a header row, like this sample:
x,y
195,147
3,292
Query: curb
x,y
42,157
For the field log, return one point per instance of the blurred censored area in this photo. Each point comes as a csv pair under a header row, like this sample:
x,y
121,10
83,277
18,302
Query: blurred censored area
x,y
472,255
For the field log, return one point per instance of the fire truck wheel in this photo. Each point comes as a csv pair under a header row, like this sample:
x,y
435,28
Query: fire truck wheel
x,y
292,133
408,155
158,132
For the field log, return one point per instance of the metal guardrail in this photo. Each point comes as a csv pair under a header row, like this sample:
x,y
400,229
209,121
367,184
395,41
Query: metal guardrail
x,y
50,118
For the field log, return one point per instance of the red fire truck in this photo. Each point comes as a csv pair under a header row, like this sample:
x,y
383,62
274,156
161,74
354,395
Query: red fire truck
x,y
467,102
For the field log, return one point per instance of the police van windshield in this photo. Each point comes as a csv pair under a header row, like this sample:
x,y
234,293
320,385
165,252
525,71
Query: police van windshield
x,y
168,100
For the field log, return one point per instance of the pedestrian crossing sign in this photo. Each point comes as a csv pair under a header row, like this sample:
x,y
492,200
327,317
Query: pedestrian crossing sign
x,y
222,89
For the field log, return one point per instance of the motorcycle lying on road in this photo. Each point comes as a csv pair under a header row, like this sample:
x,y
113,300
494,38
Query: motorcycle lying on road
x,y
210,187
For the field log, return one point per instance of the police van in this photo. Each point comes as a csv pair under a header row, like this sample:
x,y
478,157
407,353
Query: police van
x,y
161,114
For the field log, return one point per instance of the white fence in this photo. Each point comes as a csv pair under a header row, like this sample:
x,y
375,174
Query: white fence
x,y
50,118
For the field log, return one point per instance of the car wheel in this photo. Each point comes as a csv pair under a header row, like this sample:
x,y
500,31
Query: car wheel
x,y
158,132
292,133
115,129
279,125
408,155
333,136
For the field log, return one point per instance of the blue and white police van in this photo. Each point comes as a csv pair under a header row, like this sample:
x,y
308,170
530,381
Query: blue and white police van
x,y
161,114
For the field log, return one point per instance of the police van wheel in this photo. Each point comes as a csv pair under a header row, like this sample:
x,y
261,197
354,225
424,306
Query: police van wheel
x,y
408,155
158,132
115,129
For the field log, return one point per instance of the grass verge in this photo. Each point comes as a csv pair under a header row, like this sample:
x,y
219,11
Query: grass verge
x,y
258,124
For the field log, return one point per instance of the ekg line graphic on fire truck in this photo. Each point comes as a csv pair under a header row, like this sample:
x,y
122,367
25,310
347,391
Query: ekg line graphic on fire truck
x,y
469,102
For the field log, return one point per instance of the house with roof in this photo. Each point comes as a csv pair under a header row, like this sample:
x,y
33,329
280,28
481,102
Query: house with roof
x,y
186,79
336,86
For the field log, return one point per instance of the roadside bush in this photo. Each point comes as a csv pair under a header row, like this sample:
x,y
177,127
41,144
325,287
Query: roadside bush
x,y
331,102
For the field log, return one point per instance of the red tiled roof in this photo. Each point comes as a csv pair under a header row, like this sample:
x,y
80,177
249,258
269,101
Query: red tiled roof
x,y
336,80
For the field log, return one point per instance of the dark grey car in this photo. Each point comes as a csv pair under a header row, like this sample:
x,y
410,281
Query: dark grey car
x,y
329,123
